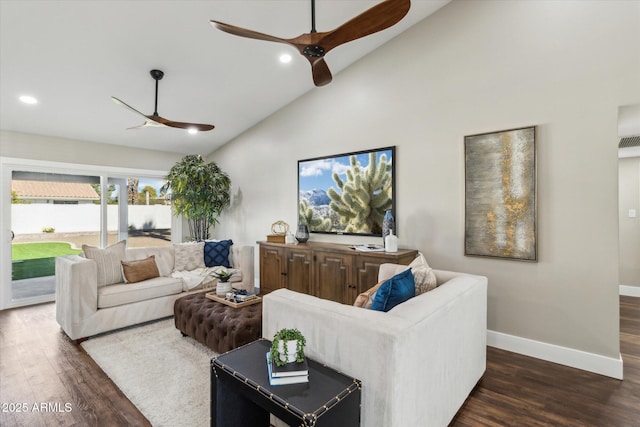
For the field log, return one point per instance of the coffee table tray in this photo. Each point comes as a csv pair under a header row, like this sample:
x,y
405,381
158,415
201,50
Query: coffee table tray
x,y
214,297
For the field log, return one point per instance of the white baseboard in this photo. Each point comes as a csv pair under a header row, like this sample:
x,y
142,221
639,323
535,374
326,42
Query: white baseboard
x,y
591,362
630,291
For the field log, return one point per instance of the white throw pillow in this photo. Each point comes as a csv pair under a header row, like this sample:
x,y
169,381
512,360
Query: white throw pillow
x,y
189,256
108,260
423,275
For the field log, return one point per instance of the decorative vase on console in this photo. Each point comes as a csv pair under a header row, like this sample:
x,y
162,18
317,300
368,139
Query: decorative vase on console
x,y
302,235
388,224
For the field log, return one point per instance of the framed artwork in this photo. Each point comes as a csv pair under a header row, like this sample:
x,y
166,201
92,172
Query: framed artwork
x,y
347,193
500,195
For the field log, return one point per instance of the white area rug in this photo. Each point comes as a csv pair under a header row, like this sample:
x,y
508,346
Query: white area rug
x,y
166,376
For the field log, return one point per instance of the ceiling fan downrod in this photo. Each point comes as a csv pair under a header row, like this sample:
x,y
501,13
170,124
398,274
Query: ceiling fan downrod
x,y
157,76
314,50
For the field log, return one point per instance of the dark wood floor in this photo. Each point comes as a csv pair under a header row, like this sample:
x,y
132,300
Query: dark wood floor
x,y
40,365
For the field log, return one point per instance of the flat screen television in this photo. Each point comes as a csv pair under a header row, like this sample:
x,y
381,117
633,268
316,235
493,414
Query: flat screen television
x,y
347,193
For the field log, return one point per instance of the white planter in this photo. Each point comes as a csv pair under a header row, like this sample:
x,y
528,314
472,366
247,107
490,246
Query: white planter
x,y
222,288
288,355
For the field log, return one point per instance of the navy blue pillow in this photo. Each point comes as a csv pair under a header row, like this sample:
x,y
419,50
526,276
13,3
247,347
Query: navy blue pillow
x,y
394,291
217,253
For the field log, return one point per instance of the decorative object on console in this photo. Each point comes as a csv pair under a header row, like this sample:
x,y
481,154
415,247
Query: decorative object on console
x,y
302,235
388,225
314,45
155,119
391,242
203,207
287,346
279,231
500,195
347,193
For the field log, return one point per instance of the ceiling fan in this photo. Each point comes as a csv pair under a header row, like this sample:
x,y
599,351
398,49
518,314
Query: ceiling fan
x,y
314,45
155,119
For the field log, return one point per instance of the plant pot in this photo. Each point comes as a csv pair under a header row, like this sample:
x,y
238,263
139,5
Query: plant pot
x,y
288,354
222,288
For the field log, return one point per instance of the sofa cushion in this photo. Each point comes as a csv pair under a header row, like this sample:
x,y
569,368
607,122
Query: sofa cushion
x,y
423,275
365,299
189,256
108,261
127,293
137,271
394,291
216,253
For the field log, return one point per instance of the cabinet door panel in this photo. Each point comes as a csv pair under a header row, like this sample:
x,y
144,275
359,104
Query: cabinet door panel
x,y
366,272
333,276
299,271
271,269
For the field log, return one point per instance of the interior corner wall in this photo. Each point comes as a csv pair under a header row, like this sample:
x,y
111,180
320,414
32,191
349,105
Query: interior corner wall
x,y
629,240
470,68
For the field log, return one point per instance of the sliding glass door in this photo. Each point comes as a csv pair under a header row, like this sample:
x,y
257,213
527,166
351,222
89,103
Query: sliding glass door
x,y
53,211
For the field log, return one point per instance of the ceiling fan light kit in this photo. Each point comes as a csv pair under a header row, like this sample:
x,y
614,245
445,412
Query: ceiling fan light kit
x,y
156,120
314,45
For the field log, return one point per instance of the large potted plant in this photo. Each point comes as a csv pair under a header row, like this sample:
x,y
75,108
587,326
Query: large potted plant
x,y
199,192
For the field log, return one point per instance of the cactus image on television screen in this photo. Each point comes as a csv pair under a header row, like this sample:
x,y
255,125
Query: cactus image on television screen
x,y
347,193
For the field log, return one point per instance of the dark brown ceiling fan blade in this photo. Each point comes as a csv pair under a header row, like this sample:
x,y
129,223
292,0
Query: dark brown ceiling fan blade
x,y
321,73
181,125
377,18
243,32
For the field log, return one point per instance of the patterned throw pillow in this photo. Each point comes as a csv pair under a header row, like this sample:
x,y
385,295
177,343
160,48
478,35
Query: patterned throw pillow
x,y
188,256
137,271
108,260
423,275
216,253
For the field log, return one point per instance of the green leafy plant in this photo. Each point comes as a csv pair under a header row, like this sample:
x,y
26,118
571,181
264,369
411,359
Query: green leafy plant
x,y
223,275
199,192
48,230
284,335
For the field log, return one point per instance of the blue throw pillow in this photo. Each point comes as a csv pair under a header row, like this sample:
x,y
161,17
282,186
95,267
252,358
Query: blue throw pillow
x,y
394,291
217,253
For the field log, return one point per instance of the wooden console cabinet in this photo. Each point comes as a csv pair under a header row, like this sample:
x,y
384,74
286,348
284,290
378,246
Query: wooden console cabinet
x,y
326,270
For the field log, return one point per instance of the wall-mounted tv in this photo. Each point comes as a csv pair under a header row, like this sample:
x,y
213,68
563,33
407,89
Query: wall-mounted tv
x,y
347,193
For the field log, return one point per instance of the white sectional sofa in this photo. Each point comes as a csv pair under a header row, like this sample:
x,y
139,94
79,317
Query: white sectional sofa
x,y
417,362
84,308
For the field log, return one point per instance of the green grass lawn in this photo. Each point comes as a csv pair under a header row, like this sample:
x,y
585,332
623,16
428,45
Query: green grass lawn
x,y
31,260
23,251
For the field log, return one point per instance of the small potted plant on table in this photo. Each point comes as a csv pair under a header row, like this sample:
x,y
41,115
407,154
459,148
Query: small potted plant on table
x,y
287,346
223,286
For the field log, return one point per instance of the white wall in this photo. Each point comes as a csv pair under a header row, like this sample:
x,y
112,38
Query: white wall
x,y
629,199
32,218
477,67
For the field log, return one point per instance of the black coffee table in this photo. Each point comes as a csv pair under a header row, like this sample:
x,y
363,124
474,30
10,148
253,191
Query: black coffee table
x,y
241,395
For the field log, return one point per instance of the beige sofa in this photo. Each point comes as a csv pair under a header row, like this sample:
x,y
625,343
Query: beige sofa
x,y
84,309
417,362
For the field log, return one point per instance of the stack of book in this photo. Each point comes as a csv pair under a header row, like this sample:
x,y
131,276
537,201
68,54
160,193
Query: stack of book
x,y
291,373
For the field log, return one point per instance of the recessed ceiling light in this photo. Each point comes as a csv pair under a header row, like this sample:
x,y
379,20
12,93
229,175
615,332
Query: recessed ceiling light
x,y
27,99
192,131
285,58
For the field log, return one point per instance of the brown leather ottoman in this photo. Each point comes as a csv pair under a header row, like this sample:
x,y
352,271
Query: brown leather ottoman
x,y
218,326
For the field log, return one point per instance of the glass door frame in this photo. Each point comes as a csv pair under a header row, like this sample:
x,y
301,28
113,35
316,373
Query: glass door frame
x,y
106,174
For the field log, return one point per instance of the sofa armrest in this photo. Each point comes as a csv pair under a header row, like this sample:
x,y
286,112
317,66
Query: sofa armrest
x,y
76,292
242,259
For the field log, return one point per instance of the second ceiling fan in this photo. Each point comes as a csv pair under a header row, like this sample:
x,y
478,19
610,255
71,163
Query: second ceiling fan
x,y
314,45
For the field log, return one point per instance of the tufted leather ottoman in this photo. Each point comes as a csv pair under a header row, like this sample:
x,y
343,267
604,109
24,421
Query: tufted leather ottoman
x,y
218,326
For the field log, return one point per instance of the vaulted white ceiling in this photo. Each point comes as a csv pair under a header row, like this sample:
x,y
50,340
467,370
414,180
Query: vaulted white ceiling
x,y
74,55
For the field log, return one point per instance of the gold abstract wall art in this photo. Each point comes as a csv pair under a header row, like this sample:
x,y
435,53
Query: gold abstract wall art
x,y
500,194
